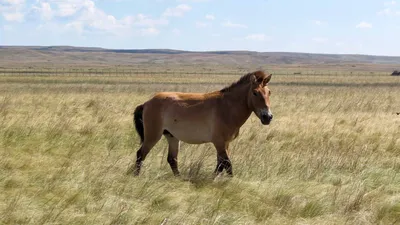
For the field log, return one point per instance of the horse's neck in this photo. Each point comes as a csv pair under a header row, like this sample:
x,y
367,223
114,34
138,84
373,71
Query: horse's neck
x,y
237,107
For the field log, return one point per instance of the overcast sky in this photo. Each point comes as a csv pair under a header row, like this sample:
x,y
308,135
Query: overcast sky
x,y
317,26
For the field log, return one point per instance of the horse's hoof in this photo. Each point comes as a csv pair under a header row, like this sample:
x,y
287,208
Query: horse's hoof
x,y
132,171
177,175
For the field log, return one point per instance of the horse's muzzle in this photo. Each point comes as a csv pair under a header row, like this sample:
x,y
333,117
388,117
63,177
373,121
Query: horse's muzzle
x,y
266,119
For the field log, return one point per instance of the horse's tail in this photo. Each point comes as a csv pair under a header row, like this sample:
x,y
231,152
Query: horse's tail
x,y
138,121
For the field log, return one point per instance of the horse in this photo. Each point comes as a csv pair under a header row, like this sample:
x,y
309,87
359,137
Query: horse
x,y
196,118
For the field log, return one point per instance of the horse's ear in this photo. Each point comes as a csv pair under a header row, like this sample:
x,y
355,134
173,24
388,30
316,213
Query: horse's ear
x,y
253,79
267,79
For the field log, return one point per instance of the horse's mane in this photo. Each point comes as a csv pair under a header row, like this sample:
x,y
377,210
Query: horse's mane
x,y
245,79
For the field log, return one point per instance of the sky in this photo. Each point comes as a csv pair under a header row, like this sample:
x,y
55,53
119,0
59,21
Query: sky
x,y
316,26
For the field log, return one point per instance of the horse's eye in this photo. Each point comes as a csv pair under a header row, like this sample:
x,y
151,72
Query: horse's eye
x,y
255,93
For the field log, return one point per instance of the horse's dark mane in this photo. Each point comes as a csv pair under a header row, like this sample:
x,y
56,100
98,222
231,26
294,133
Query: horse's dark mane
x,y
243,80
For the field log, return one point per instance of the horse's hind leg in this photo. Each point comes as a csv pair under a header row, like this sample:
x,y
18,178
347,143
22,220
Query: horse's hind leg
x,y
173,149
152,136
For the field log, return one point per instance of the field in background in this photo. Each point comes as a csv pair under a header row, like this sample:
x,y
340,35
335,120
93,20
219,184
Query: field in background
x,y
331,155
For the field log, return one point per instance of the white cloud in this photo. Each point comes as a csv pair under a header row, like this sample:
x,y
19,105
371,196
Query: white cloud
x,y
65,8
14,17
75,26
84,16
13,10
257,37
390,9
44,10
145,21
177,11
318,22
390,3
320,39
7,28
14,2
201,24
389,12
210,17
386,11
339,43
364,25
233,25
176,31
70,8
149,31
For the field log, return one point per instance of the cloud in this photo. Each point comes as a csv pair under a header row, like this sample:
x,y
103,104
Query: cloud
x,y
44,10
364,25
85,16
390,3
149,32
65,8
390,9
75,26
69,8
13,10
201,24
318,22
176,31
389,12
14,17
143,20
233,25
94,18
320,39
339,43
7,28
257,37
14,2
210,17
177,11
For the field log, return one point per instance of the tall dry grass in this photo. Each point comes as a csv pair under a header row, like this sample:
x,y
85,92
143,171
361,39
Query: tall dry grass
x,y
331,156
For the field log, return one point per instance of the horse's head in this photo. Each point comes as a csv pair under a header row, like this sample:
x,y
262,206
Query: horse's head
x,y
258,97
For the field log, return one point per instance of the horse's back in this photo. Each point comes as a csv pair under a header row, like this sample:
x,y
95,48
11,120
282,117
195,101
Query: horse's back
x,y
187,116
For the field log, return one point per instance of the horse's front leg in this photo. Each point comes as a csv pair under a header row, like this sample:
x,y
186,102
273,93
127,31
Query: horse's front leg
x,y
223,161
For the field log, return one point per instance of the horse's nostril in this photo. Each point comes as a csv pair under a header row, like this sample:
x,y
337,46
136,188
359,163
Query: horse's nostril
x,y
266,117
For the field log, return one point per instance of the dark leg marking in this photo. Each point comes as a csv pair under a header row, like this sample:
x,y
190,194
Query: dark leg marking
x,y
223,162
173,149
173,164
138,162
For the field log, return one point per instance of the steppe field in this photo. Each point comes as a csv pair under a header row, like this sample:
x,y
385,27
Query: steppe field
x,y
330,156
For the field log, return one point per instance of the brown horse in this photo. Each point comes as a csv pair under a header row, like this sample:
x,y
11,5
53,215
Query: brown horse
x,y
197,118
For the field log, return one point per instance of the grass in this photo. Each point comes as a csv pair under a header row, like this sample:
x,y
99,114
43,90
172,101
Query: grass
x,y
331,155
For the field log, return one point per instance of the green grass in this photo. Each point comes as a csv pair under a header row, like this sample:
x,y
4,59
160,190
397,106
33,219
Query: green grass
x,y
331,155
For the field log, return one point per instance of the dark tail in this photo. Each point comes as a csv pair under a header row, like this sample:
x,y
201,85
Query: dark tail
x,y
138,121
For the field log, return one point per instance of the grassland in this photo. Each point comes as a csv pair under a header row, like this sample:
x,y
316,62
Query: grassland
x,y
331,155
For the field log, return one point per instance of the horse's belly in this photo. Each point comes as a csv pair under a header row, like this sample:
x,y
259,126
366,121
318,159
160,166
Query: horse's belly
x,y
192,133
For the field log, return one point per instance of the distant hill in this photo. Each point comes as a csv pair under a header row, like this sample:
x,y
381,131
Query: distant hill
x,y
67,56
